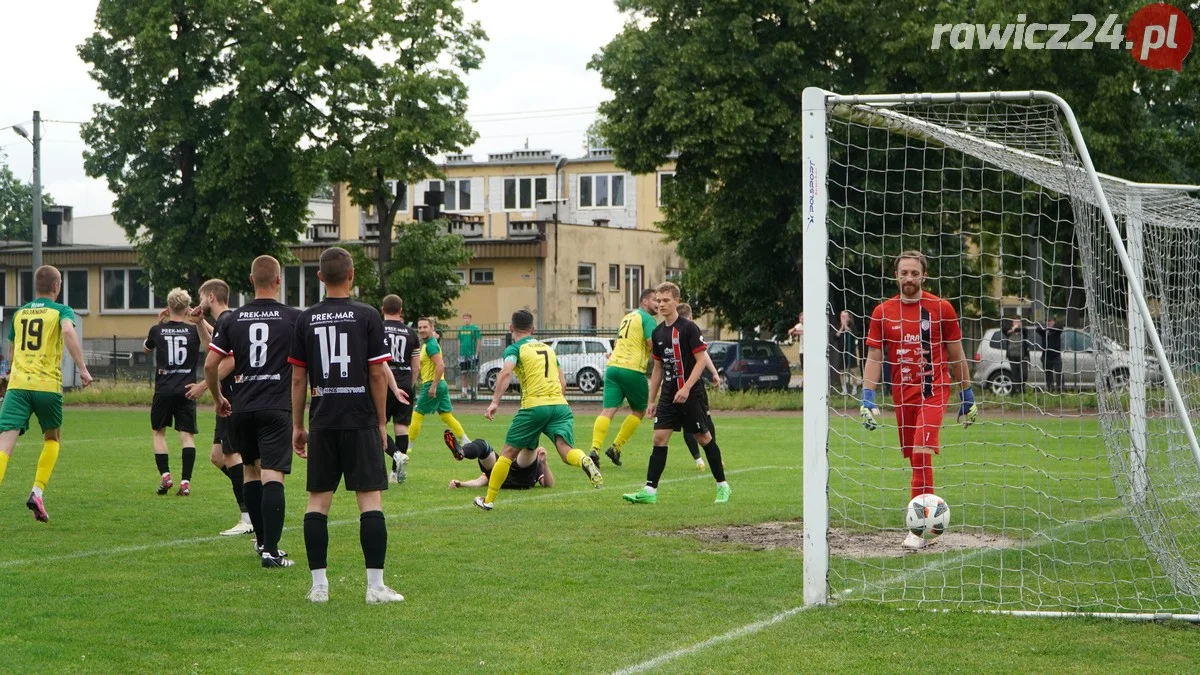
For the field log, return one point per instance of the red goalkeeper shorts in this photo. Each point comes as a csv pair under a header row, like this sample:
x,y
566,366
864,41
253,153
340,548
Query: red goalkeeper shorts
x,y
920,421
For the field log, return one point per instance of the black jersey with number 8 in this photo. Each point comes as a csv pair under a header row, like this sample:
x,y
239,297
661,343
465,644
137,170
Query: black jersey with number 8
x,y
259,337
337,340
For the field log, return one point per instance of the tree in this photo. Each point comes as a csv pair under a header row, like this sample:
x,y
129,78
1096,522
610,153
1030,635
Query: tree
x,y
16,205
594,136
720,83
425,278
389,116
202,140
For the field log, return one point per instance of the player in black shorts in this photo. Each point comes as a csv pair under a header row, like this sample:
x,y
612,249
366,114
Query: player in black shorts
x,y
680,356
405,350
214,302
258,337
340,354
176,344
529,469
685,311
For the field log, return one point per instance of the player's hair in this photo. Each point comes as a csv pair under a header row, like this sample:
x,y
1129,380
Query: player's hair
x,y
264,271
218,288
913,254
428,320
178,300
685,310
44,279
646,293
336,265
668,287
392,304
522,319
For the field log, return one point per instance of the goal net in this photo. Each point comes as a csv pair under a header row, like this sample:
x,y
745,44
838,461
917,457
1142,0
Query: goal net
x,y
1079,488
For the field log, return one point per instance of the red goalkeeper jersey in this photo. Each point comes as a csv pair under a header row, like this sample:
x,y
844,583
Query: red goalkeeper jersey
x,y
913,337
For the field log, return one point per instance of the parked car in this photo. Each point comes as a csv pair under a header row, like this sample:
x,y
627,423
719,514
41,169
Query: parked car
x,y
750,364
1079,362
582,360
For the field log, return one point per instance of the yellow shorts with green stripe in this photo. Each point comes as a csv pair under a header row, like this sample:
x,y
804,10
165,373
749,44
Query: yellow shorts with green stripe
x,y
530,423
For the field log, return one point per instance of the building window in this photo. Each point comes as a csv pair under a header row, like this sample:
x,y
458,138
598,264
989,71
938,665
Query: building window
x,y
520,193
614,278
75,289
674,274
483,275
633,286
602,191
664,181
587,318
123,289
586,276
24,287
458,195
462,277
395,188
301,287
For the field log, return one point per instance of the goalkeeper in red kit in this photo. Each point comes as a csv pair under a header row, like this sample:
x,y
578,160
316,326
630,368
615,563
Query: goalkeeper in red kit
x,y
920,335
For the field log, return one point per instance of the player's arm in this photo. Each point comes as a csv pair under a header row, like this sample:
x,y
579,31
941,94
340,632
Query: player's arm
x,y
395,388
562,379
225,369
968,412
75,349
212,378
148,345
544,467
379,392
439,369
873,368
510,364
205,332
299,399
656,378
481,481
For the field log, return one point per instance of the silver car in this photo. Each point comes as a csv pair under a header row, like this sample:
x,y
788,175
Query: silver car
x,y
583,361
1079,362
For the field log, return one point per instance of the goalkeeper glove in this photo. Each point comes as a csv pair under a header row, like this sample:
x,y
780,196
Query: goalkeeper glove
x,y
967,410
869,411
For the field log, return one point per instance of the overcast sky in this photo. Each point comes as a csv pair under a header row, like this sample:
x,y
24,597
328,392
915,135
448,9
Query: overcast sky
x,y
536,59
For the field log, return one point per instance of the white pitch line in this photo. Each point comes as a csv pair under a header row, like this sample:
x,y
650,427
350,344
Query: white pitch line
x,y
1037,540
138,548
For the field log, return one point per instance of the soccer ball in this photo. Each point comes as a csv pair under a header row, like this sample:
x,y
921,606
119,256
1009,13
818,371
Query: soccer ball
x,y
927,516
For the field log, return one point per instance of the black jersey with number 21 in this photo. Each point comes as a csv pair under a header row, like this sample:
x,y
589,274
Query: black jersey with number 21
x,y
258,336
337,340
176,346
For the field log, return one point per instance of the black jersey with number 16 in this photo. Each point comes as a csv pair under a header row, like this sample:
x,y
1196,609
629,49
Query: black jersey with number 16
x,y
258,336
405,349
176,347
337,340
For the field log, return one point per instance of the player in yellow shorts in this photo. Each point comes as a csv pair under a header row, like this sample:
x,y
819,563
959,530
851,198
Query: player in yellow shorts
x,y
544,409
36,337
625,378
434,394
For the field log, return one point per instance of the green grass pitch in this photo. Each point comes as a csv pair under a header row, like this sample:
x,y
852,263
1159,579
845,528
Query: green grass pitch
x,y
570,579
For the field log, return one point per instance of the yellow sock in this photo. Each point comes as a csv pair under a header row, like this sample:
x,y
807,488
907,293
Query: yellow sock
x,y
628,427
3,466
499,475
575,457
46,462
599,431
454,425
414,429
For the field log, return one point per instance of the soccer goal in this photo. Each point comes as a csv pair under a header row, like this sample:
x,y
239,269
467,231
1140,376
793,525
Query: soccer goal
x,y
1078,490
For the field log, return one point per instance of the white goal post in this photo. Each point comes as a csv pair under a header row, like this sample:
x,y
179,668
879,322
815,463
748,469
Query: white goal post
x,y
1071,496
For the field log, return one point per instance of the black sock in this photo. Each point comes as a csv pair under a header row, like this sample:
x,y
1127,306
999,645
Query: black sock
x,y
372,534
236,476
658,463
714,460
252,492
402,443
693,446
161,461
316,539
391,451
272,515
189,462
711,428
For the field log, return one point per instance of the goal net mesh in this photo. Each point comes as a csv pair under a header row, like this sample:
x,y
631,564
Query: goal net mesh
x,y
1074,492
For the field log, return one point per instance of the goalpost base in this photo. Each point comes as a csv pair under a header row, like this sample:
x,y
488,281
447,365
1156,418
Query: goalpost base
x,y
1125,616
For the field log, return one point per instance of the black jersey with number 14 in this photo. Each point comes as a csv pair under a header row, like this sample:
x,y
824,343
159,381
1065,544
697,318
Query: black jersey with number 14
x,y
337,340
176,347
258,336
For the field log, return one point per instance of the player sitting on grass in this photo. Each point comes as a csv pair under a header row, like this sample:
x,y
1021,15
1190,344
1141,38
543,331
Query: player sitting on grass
x,y
529,469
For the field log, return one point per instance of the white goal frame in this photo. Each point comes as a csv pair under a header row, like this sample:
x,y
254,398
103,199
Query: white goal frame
x,y
816,297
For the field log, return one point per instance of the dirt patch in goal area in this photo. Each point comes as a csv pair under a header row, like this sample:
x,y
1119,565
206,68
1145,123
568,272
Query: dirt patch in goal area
x,y
842,543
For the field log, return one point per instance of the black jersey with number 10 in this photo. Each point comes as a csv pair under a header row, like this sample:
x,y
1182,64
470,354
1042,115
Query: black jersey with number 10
x,y
405,347
259,337
176,347
337,340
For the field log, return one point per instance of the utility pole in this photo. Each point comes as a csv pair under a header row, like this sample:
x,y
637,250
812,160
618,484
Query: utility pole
x,y
37,189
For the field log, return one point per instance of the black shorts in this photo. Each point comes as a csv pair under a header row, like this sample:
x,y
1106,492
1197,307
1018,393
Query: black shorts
x,y
263,436
356,454
221,436
173,410
519,478
397,412
469,364
691,415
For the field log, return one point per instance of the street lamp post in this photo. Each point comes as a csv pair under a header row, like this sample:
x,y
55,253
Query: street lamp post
x,y
37,184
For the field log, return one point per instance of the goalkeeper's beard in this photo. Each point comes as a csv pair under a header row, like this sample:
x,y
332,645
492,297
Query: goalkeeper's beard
x,y
910,292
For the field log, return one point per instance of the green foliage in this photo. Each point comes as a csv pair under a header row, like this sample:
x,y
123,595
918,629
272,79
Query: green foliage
x,y
720,83
422,274
201,141
16,205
